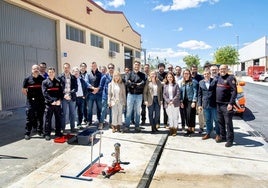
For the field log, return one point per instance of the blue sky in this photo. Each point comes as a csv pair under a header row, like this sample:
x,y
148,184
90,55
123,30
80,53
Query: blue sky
x,y
173,29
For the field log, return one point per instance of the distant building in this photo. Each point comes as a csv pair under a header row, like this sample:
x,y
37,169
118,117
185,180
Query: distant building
x,y
55,32
256,53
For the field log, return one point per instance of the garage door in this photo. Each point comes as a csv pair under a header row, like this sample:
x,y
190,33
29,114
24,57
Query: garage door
x,y
26,38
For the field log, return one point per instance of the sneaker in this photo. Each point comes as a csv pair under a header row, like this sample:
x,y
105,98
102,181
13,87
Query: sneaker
x,y
188,133
201,130
100,126
47,138
229,144
40,133
125,130
79,126
207,136
138,129
27,137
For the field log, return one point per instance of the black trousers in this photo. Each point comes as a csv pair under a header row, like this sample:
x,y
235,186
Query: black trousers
x,y
34,116
49,111
189,113
225,120
182,117
143,112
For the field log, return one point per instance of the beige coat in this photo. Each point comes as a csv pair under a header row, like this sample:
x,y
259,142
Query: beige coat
x,y
148,92
122,95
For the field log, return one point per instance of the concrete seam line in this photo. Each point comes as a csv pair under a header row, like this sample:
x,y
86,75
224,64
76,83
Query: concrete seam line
x,y
148,174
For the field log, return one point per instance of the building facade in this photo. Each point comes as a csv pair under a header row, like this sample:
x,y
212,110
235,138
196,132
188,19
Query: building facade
x,y
55,32
254,54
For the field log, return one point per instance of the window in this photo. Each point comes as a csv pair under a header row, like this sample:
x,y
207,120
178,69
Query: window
x,y
114,47
96,41
137,54
75,34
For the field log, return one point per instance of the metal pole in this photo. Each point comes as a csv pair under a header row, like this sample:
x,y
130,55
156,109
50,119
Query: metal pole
x,y
100,146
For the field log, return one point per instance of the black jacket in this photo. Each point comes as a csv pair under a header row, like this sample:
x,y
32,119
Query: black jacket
x,y
135,82
207,96
226,91
74,85
52,90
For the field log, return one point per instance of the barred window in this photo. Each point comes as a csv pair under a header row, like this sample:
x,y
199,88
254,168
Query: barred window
x,y
96,40
114,46
75,34
137,54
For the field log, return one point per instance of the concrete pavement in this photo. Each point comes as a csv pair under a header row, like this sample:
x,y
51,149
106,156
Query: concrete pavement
x,y
185,161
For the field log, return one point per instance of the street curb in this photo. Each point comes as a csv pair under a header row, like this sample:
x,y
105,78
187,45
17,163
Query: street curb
x,y
151,167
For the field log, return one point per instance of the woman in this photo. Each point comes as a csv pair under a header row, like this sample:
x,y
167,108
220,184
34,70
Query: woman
x,y
171,95
153,97
188,100
116,100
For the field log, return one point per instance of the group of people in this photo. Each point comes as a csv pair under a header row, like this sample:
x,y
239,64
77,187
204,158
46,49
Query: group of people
x,y
182,94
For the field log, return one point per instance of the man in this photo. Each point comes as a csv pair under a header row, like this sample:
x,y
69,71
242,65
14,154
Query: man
x,y
170,68
35,104
214,70
104,82
198,78
84,75
69,86
53,93
135,83
103,70
207,103
161,75
94,77
146,70
225,97
81,94
178,78
42,70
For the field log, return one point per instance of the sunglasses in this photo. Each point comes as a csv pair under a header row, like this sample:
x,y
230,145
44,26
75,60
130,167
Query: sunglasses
x,y
110,68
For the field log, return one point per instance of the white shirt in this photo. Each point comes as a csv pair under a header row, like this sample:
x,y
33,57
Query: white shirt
x,y
170,91
79,92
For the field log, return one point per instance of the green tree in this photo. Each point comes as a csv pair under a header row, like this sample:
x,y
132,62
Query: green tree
x,y
191,60
155,61
226,55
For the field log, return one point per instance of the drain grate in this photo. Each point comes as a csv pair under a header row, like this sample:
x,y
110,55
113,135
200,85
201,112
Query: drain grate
x,y
254,133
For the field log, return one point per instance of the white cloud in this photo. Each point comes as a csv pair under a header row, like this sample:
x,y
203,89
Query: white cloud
x,y
116,3
213,26
140,25
166,53
179,29
194,45
226,24
182,4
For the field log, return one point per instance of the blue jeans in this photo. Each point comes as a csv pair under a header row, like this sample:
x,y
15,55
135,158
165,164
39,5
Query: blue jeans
x,y
80,101
71,106
154,112
133,105
210,114
91,99
104,111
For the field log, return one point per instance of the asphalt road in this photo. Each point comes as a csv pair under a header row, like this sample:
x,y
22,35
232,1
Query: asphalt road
x,y
256,108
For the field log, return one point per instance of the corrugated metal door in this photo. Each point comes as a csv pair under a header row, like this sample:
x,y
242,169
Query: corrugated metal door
x,y
26,38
